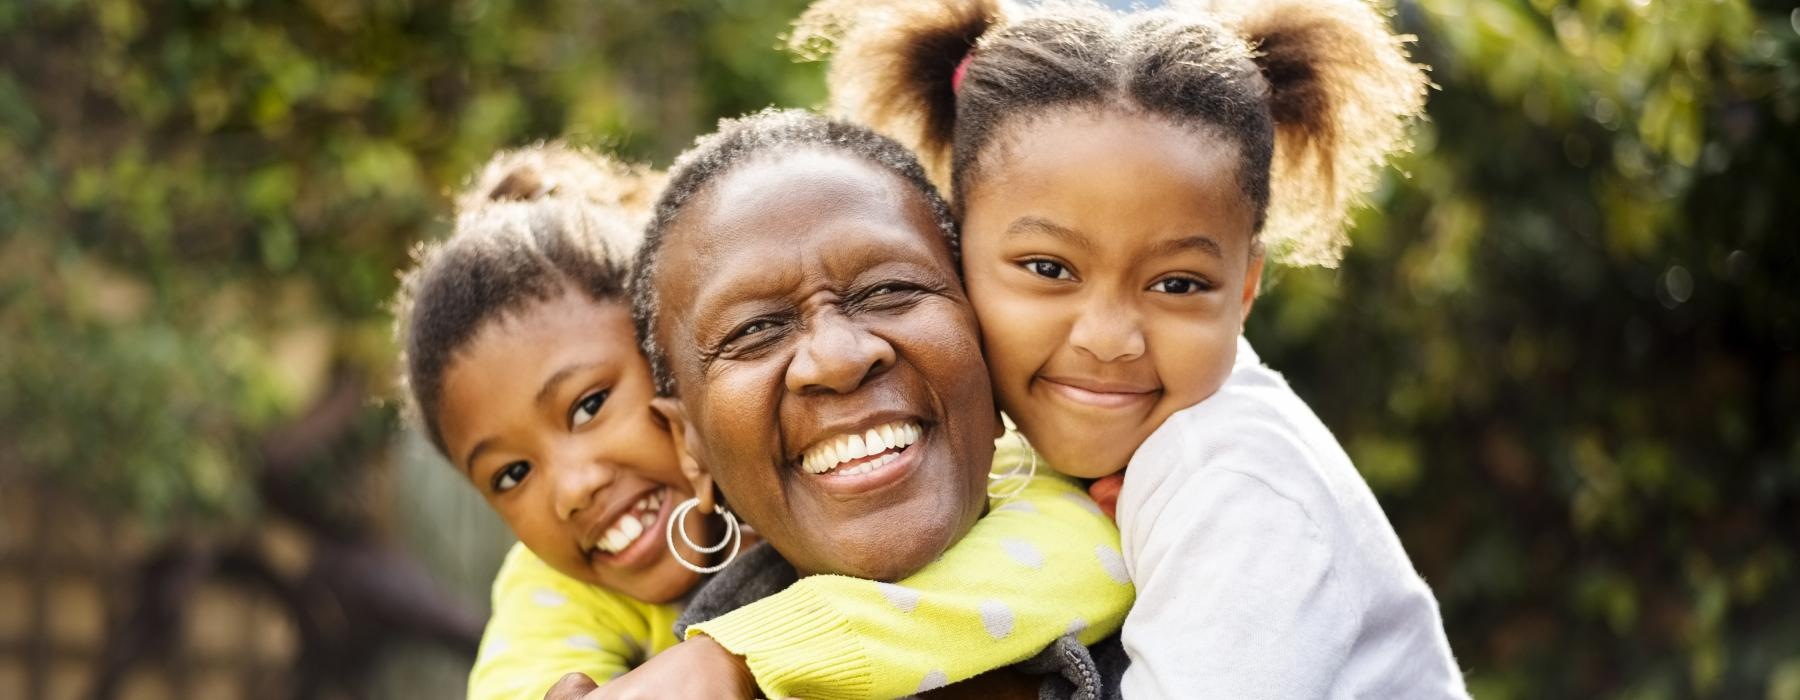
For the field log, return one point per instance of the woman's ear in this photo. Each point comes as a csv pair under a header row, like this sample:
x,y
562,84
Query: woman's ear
x,y
687,448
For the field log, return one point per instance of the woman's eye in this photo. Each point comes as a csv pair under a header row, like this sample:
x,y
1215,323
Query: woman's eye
x,y
1049,268
753,328
886,295
1178,286
587,408
510,476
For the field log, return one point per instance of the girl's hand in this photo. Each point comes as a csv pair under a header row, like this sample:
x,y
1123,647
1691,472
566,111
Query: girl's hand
x,y
696,668
572,686
1105,491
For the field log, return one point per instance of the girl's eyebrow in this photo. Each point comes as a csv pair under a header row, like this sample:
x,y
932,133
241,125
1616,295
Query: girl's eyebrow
x,y
469,461
1028,225
560,376
544,394
1202,243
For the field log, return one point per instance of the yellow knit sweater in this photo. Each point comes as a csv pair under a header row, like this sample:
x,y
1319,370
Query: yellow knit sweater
x,y
1039,565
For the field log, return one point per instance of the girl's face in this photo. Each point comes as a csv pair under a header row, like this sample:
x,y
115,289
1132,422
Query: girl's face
x,y
547,412
1109,257
830,362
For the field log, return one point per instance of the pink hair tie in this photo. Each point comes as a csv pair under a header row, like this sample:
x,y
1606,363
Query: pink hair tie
x,y
962,69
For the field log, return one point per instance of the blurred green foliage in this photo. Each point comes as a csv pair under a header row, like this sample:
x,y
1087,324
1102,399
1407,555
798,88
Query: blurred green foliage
x,y
1564,349
206,201
1565,346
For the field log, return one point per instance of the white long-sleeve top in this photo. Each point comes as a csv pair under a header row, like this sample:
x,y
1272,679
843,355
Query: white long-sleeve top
x,y
1264,566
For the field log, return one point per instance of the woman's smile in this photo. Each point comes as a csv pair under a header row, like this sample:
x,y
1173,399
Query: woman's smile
x,y
862,460
824,353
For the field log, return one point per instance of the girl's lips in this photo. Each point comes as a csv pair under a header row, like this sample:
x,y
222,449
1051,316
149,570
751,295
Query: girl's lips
x,y
1102,395
642,550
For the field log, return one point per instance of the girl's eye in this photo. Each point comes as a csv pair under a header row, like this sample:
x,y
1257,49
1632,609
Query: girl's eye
x,y
1049,268
587,408
510,476
1179,286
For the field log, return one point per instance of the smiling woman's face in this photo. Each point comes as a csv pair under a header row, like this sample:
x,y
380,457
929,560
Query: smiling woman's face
x,y
824,351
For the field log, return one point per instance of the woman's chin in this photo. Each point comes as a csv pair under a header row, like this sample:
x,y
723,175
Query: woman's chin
x,y
897,552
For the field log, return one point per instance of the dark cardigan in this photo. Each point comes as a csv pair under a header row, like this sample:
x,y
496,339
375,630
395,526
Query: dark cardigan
x,y
1070,670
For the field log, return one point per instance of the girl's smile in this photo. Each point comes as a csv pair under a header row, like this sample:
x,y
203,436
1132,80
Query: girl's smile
x,y
1110,258
617,536
1099,394
548,411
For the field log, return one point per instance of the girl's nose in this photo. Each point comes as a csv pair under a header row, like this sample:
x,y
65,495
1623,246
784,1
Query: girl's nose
x,y
837,355
1108,331
578,485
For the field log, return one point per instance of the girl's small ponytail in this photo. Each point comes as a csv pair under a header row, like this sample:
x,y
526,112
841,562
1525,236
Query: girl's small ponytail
x,y
895,65
1342,92
611,199
558,171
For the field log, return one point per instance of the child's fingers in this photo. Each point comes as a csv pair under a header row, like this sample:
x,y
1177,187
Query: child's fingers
x,y
1105,491
572,686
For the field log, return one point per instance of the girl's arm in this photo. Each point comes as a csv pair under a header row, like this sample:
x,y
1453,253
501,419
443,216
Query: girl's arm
x,y
546,625
1035,568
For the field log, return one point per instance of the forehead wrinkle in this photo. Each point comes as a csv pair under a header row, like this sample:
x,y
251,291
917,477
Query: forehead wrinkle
x,y
733,220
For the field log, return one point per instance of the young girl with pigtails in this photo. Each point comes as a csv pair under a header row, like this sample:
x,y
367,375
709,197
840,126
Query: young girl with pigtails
x,y
1120,180
522,366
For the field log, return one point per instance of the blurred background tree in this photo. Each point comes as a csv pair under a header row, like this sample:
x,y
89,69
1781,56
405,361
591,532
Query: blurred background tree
x,y
1564,348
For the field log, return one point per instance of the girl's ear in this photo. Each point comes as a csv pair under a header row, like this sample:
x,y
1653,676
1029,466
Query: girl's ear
x,y
687,447
1252,282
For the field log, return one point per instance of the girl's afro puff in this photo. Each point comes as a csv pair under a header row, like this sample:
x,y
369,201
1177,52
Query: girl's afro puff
x,y
1317,93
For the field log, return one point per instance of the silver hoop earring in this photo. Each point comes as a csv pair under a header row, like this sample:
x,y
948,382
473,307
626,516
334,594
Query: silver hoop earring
x,y
678,524
1009,490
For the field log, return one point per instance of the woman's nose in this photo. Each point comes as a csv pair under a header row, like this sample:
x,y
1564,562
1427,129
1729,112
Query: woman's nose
x,y
578,485
1109,331
837,355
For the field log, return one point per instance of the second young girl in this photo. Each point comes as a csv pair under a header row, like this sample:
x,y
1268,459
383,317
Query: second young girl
x,y
1120,180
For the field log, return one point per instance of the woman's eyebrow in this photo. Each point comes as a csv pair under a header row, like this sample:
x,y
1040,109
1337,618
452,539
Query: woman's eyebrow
x,y
1028,225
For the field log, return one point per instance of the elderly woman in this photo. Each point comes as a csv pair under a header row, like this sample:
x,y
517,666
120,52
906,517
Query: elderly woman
x,y
798,286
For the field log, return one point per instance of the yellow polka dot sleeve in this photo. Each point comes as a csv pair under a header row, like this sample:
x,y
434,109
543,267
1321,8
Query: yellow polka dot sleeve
x,y
546,624
1036,567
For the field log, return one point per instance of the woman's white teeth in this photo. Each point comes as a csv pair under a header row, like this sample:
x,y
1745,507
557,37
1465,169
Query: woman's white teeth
x,y
870,465
827,455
